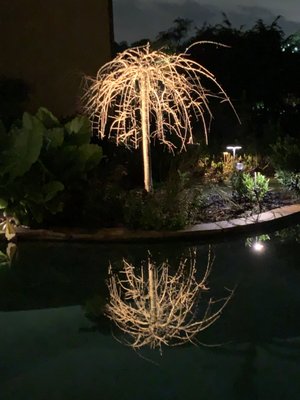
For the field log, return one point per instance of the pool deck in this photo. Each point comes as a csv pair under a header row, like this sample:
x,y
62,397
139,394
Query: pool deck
x,y
253,223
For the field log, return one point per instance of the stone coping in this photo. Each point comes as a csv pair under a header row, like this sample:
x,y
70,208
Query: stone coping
x,y
202,231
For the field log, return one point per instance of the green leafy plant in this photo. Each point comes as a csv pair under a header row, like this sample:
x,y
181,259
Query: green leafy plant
x,y
252,162
286,154
214,169
291,180
42,161
250,241
249,188
172,207
220,169
289,235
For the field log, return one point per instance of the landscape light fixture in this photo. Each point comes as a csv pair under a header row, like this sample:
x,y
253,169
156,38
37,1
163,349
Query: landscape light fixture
x,y
234,149
239,166
258,246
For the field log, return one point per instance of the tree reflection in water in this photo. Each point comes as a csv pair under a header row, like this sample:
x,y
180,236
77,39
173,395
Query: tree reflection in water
x,y
156,307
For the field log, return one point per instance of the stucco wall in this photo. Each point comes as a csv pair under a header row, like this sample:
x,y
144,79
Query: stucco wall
x,y
51,45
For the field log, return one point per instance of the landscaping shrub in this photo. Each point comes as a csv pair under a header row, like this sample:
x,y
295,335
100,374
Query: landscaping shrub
x,y
153,211
285,158
249,188
218,170
285,154
291,180
172,207
44,165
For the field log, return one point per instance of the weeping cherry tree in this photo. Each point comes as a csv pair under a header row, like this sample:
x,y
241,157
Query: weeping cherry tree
x,y
145,95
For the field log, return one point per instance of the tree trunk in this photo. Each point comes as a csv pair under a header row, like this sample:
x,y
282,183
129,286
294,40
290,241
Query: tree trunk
x,y
152,293
146,134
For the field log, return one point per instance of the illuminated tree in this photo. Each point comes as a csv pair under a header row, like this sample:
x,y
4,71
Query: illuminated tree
x,y
155,307
143,94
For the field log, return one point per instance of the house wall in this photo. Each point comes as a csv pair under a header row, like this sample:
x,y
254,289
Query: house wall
x,y
51,45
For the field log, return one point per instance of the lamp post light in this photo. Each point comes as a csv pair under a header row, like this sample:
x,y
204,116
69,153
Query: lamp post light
x,y
234,149
239,166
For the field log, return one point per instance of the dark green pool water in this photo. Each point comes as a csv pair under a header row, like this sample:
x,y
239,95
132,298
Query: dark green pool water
x,y
56,344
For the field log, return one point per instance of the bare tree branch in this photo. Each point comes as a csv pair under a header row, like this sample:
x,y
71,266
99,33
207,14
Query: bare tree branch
x,y
155,308
141,86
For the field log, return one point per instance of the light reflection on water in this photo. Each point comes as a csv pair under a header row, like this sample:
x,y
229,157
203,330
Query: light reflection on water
x,y
54,337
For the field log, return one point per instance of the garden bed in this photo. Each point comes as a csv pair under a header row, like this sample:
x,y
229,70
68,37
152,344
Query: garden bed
x,y
220,207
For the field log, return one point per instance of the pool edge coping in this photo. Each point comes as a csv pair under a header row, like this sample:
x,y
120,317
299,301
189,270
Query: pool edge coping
x,y
202,230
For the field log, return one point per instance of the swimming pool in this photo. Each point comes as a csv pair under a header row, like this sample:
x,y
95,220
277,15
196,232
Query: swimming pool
x,y
55,342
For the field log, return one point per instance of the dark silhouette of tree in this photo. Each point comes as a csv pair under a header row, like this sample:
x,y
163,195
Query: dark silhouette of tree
x,y
257,74
174,37
257,70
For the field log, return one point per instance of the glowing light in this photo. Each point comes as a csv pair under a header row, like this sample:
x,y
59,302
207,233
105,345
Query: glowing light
x,y
258,247
234,149
239,166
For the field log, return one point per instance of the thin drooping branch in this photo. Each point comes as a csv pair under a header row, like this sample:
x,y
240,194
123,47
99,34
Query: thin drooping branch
x,y
155,307
170,89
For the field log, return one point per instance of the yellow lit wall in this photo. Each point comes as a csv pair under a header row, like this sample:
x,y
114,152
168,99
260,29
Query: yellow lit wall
x,y
51,44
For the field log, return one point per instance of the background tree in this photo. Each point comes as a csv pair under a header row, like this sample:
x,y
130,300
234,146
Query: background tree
x,y
259,69
260,77
174,38
145,95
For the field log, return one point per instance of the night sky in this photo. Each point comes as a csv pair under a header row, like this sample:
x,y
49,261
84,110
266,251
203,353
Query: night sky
x,y
138,19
